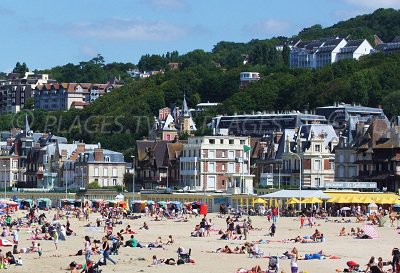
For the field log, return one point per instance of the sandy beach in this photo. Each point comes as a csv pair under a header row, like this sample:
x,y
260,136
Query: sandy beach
x,y
131,259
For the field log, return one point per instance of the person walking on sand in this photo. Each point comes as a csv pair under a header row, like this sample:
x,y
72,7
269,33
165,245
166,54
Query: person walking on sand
x,y
245,229
106,252
88,248
40,251
302,219
272,229
55,240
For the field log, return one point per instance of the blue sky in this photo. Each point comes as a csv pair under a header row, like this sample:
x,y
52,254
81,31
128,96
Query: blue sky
x,y
46,33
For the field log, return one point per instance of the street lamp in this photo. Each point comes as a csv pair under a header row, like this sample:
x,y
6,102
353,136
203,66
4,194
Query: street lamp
x,y
5,182
290,152
133,177
82,175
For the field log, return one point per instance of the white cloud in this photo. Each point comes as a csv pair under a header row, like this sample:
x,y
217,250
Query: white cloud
x,y
268,27
168,4
117,29
374,4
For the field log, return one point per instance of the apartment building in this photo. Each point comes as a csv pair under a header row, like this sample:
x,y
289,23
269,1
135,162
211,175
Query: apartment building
x,y
63,96
212,163
17,89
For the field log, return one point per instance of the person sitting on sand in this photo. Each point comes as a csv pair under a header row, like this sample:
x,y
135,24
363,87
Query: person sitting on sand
x,y
145,226
170,240
317,235
342,232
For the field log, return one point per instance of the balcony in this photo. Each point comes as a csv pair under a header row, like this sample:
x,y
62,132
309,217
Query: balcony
x,y
363,173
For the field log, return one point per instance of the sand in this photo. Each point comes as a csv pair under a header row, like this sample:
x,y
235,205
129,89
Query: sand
x,y
346,247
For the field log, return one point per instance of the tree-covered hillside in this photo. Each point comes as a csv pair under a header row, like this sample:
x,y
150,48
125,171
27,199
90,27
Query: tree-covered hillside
x,y
127,113
383,22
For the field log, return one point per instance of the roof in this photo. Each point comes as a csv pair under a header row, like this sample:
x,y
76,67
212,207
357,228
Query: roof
x,y
297,194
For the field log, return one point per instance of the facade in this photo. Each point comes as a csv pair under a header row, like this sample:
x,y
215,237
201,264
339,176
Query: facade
x,y
17,89
339,115
308,156
49,162
171,122
157,163
354,49
390,47
248,77
54,97
345,161
105,167
318,53
260,124
378,155
8,171
220,163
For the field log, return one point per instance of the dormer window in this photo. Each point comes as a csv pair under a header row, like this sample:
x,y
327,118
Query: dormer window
x,y
107,159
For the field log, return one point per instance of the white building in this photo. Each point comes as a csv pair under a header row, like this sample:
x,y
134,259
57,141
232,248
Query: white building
x,y
318,53
217,163
354,49
248,77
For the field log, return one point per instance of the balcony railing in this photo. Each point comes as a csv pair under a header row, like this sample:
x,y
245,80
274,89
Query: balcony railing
x,y
363,173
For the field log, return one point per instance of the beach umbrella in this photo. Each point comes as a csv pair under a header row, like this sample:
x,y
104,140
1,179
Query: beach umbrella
x,y
370,231
5,242
259,201
293,201
312,200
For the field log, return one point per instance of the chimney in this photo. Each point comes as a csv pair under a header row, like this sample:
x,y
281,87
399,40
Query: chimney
x,y
98,154
80,148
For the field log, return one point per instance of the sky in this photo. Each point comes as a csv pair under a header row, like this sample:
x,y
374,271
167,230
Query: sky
x,y
47,33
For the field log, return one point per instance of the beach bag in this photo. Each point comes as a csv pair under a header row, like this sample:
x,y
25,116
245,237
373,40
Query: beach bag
x,y
180,261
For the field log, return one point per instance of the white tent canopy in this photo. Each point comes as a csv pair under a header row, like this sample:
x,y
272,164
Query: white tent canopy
x,y
297,194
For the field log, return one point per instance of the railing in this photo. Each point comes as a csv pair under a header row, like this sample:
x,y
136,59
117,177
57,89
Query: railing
x,y
363,173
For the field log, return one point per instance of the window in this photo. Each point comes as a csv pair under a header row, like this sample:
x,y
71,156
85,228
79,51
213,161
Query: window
x,y
223,167
221,141
231,141
105,172
211,167
212,141
211,154
223,154
114,172
105,182
114,182
107,159
231,154
231,167
317,182
318,148
96,171
317,165
242,141
211,182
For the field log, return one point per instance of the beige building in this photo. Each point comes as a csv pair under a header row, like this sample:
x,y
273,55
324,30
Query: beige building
x,y
8,170
104,166
308,156
216,163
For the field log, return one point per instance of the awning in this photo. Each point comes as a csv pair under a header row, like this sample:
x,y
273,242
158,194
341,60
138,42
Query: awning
x,y
297,194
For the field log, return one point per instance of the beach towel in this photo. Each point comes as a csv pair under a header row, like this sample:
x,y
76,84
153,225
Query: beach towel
x,y
5,242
